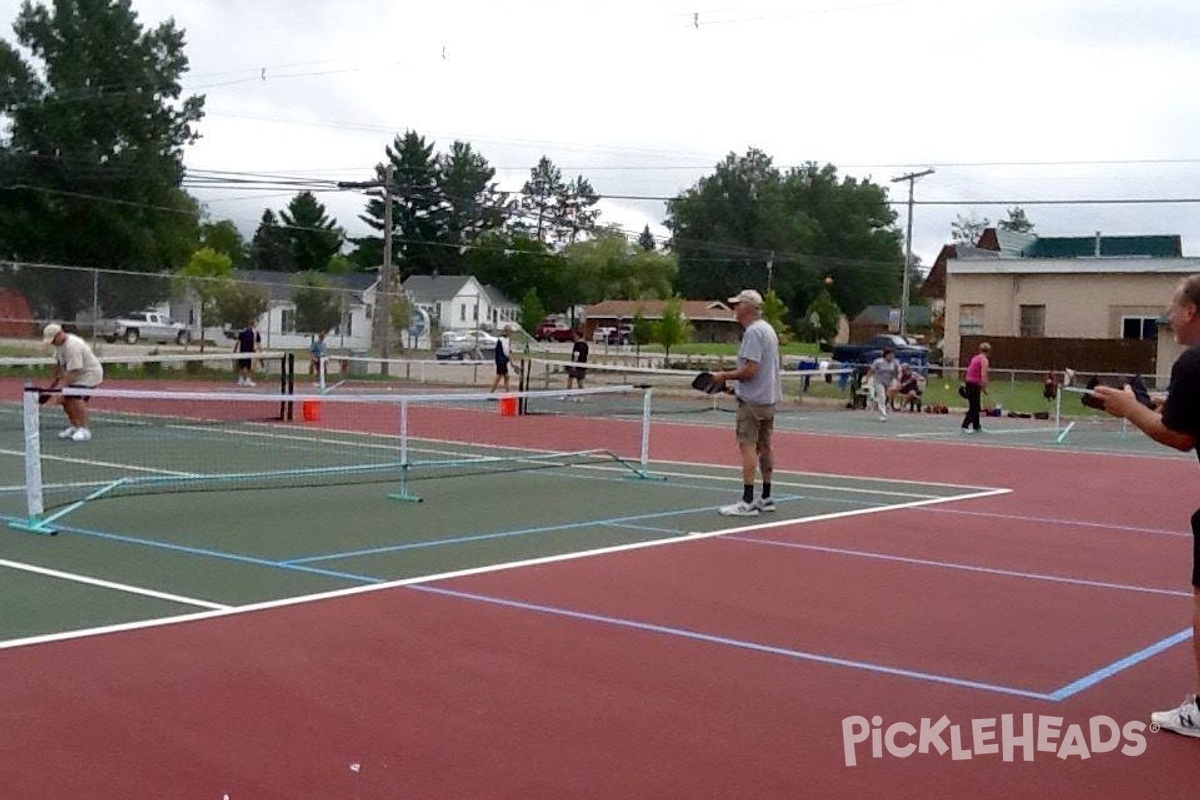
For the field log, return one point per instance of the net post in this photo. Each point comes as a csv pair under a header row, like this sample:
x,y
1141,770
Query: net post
x,y
403,493
321,373
34,499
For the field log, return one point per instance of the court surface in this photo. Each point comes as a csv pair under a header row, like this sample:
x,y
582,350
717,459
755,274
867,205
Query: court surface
x,y
577,631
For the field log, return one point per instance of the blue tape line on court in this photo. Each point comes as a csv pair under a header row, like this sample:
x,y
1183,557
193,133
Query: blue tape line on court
x,y
1117,667
739,643
482,537
198,551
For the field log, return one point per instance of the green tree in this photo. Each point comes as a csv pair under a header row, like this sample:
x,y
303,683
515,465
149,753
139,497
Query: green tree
x,y
418,210
312,237
643,330
748,224
318,307
827,315
92,156
203,278
673,329
532,311
224,237
270,249
474,204
539,199
515,263
239,304
774,312
575,210
646,240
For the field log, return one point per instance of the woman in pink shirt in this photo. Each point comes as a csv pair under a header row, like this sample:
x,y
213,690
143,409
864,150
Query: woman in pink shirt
x,y
976,380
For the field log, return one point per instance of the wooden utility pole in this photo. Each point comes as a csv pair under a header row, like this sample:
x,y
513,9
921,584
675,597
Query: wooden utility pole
x,y
911,178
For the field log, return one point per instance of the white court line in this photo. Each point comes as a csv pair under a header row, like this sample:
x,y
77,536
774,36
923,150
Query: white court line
x,y
120,587
93,463
462,573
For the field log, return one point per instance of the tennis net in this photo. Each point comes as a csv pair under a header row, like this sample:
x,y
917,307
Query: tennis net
x,y
149,442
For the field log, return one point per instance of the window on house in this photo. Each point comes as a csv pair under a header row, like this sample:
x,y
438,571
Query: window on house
x,y
1033,321
970,320
475,316
287,322
1139,327
462,312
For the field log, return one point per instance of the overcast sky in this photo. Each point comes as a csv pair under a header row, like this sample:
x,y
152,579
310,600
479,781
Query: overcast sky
x,y
1018,101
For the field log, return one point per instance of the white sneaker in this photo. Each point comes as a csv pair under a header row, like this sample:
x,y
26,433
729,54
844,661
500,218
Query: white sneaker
x,y
67,432
1184,720
883,417
765,504
81,435
250,382
740,509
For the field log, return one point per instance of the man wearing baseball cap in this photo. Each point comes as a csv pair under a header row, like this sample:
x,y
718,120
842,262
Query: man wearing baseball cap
x,y
758,391
76,367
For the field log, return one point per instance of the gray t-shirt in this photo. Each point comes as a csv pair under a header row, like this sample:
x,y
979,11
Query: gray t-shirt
x,y
885,371
760,345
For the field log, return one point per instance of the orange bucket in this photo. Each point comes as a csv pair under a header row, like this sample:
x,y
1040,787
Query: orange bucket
x,y
310,410
508,406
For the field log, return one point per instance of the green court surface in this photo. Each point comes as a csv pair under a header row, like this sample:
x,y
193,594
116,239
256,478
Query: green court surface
x,y
125,559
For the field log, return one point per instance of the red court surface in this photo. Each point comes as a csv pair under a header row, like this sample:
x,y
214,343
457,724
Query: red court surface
x,y
717,667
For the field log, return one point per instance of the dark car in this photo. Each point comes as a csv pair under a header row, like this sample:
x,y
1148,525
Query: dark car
x,y
912,354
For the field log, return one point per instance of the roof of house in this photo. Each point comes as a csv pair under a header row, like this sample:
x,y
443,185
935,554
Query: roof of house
x,y
1011,244
280,284
918,316
653,309
435,288
497,297
1072,266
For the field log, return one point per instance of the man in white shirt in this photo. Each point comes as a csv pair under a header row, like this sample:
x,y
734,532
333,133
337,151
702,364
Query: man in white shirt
x,y
75,366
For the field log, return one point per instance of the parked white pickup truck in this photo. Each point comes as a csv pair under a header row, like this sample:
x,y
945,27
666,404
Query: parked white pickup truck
x,y
150,326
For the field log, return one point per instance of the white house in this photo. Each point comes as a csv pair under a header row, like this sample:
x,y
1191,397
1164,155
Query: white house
x,y
355,293
459,302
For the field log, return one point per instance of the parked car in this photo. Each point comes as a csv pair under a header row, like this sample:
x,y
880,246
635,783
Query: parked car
x,y
553,330
601,334
150,326
906,353
463,345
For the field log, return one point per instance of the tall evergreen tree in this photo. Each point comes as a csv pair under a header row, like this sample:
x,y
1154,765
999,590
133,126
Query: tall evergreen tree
x,y
313,238
270,249
575,210
418,208
97,123
646,240
474,205
539,199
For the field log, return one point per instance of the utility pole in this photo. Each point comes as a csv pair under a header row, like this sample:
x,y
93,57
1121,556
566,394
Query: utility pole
x,y
770,270
382,321
911,178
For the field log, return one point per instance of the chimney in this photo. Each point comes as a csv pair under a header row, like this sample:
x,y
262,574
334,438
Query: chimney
x,y
1097,244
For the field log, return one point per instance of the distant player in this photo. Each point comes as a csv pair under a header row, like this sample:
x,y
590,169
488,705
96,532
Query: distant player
x,y
77,367
503,359
579,355
249,340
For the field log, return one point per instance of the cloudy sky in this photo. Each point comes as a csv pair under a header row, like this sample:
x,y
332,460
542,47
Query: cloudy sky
x,y
1022,101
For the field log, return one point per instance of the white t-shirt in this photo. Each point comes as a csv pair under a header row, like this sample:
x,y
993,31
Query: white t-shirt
x,y
73,355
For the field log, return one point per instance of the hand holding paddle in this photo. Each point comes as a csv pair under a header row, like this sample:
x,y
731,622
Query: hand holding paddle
x,y
708,383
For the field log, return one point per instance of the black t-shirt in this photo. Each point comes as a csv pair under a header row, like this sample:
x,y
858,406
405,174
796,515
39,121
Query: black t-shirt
x,y
247,339
579,353
1182,410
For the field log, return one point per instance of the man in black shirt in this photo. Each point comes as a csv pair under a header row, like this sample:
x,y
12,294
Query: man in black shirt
x,y
579,355
248,341
1175,423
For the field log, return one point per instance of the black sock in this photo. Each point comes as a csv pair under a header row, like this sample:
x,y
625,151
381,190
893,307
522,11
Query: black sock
x,y
748,493
766,491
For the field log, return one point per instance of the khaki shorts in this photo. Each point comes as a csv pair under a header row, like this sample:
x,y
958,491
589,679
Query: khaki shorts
x,y
755,423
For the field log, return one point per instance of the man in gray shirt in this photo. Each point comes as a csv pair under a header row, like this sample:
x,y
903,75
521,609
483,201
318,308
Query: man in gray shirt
x,y
884,371
758,390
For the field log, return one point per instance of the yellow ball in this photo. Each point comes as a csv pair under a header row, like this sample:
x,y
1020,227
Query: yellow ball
x,y
945,386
